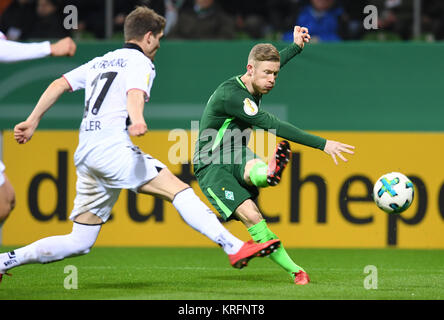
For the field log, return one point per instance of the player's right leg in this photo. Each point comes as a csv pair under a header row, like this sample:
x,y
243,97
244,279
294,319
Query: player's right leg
x,y
256,173
92,207
197,215
50,249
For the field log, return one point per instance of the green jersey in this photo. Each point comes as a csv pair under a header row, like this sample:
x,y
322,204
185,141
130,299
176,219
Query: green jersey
x,y
229,116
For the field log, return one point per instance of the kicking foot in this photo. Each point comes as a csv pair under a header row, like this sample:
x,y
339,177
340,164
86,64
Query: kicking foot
x,y
278,163
250,250
301,278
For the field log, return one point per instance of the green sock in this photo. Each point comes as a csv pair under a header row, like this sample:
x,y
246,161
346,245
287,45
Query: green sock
x,y
258,174
261,233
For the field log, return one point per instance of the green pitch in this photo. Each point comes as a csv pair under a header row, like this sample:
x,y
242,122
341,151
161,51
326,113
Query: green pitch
x,y
205,274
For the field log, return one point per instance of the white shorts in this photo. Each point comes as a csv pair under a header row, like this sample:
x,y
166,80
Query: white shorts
x,y
2,176
105,171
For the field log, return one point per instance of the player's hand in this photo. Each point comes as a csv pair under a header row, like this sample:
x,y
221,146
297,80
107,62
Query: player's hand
x,y
334,148
63,47
301,36
23,131
137,129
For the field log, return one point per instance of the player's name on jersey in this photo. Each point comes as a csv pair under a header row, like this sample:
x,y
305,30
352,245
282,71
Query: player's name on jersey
x,y
91,125
103,64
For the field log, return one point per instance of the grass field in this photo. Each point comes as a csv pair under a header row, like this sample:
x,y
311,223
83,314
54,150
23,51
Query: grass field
x,y
205,274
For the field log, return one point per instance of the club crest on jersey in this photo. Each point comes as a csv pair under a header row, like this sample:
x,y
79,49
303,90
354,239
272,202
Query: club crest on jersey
x,y
250,107
229,195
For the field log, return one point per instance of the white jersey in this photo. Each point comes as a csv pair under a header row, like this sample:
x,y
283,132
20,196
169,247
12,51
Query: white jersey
x,y
106,160
11,51
106,81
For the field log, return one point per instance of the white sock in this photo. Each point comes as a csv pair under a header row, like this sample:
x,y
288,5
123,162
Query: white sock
x,y
51,249
198,216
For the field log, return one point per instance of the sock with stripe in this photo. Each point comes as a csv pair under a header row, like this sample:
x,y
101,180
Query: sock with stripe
x,y
261,233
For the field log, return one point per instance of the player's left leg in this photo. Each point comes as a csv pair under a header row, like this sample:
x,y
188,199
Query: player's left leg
x,y
51,249
250,216
92,208
256,173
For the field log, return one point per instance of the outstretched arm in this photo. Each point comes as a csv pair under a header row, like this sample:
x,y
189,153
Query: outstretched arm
x,y
288,131
333,148
24,130
11,51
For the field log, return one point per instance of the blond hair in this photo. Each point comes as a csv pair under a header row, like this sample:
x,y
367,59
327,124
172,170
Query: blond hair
x,y
264,52
140,21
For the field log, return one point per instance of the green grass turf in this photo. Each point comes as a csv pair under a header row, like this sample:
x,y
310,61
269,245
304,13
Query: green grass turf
x,y
205,274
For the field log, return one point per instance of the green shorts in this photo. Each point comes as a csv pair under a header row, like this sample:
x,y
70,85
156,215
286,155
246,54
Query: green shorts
x,y
224,186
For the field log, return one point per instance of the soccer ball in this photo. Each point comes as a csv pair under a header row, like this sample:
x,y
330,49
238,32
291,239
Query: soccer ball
x,y
393,192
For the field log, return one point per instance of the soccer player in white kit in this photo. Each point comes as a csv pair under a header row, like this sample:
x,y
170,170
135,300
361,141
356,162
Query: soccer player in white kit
x,y
116,87
12,51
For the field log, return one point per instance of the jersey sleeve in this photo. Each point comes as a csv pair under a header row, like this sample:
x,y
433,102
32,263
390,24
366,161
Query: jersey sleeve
x,y
140,75
76,78
289,53
290,132
12,51
245,109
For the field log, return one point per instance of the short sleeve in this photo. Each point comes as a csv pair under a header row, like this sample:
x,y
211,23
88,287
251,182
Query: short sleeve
x,y
77,78
140,75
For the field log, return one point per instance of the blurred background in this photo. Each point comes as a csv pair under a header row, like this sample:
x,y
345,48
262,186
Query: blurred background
x,y
328,20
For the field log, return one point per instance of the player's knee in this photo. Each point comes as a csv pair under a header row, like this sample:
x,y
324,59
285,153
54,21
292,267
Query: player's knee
x,y
180,188
183,187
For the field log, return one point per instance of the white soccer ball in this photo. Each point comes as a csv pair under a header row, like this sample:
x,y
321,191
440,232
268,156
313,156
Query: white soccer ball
x,y
393,192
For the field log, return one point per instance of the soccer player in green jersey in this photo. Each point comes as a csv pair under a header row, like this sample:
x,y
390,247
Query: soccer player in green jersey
x,y
228,172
